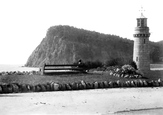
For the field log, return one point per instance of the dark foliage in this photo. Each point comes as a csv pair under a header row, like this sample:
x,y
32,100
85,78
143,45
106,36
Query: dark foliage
x,y
133,64
65,45
114,62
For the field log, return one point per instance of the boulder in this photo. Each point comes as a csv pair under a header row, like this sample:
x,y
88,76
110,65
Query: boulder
x,y
33,88
126,76
1,91
43,87
122,75
132,84
9,87
62,87
15,88
4,88
89,85
140,76
117,75
160,82
95,84
114,74
136,83
111,84
141,84
101,85
68,87
118,83
56,86
28,87
131,76
127,83
83,84
48,88
106,85
37,88
156,84
145,84
111,73
74,86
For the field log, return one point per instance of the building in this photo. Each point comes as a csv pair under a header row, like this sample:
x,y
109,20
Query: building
x,y
141,45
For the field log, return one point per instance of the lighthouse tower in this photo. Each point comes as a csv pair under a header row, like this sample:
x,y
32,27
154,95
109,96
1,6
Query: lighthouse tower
x,y
141,45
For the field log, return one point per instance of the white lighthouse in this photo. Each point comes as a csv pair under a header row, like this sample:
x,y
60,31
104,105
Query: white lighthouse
x,y
141,45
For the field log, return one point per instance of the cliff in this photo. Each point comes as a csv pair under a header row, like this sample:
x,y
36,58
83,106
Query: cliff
x,y
66,45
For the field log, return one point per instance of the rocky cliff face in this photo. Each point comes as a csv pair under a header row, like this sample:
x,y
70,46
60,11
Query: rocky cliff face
x,y
66,45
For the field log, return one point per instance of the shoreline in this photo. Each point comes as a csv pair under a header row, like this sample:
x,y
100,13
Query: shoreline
x,y
99,101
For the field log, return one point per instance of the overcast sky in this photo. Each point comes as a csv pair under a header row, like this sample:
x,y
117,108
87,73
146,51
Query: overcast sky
x,y
23,23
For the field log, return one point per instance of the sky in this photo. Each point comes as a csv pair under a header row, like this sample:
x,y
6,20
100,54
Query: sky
x,y
24,23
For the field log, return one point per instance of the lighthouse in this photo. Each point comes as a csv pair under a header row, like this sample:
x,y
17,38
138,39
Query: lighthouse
x,y
141,45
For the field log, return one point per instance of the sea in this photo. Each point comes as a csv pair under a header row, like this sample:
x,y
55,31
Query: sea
x,y
7,67
21,68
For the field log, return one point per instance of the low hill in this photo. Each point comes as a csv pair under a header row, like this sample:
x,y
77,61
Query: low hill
x,y
66,45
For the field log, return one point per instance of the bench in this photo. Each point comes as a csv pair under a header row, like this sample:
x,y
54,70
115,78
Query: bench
x,y
62,69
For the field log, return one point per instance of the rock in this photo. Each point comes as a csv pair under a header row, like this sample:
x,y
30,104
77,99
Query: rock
x,y
74,86
145,83
95,84
83,84
136,83
28,87
127,84
111,73
1,90
43,87
89,85
4,88
56,86
160,82
101,85
9,87
118,83
132,84
106,85
48,88
15,88
126,76
141,83
68,87
111,84
114,74
122,75
62,87
156,84
23,88
37,88
33,88
131,76
140,76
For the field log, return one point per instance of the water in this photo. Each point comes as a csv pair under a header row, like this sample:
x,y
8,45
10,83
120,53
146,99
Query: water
x,y
5,67
156,66
20,68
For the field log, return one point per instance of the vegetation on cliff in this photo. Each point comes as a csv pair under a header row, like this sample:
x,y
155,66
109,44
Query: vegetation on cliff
x,y
66,45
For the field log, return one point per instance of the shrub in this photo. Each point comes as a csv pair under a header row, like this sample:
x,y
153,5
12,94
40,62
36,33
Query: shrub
x,y
133,64
128,69
114,62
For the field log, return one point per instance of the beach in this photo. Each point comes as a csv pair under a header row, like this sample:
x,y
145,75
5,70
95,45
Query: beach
x,y
119,101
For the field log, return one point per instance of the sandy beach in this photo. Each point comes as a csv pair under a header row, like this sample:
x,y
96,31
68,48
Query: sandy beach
x,y
100,101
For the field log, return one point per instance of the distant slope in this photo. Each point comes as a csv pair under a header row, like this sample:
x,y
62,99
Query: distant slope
x,y
66,45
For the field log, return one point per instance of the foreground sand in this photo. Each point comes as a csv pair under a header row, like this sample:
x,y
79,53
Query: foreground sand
x,y
100,101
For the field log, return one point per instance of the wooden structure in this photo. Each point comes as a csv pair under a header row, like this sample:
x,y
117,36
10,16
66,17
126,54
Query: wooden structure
x,y
62,69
